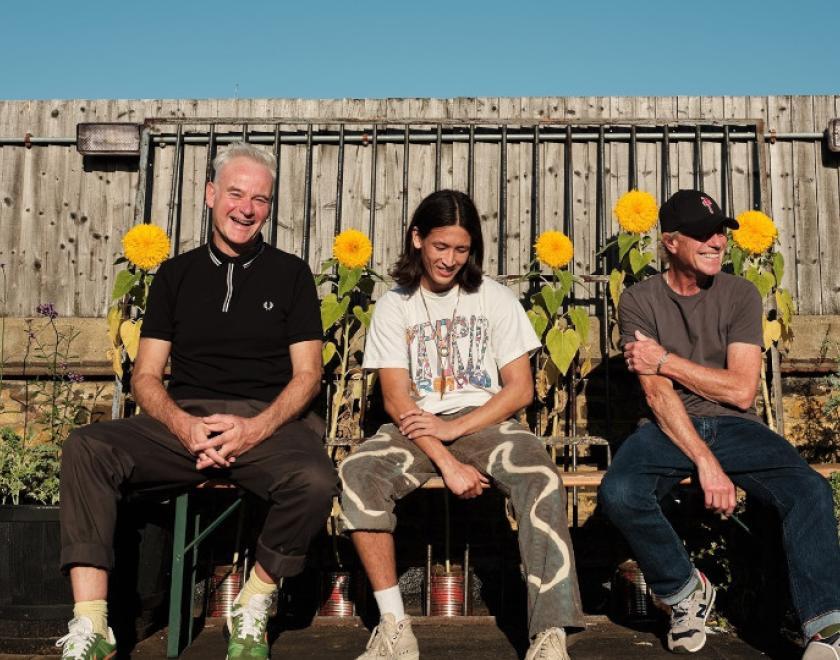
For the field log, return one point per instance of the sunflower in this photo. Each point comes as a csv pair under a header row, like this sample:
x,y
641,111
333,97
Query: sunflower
x,y
636,211
756,232
554,249
352,248
146,246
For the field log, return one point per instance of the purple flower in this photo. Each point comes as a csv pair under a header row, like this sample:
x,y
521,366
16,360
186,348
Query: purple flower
x,y
47,310
75,378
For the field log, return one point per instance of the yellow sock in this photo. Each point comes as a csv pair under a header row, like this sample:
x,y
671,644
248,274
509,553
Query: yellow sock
x,y
96,611
255,586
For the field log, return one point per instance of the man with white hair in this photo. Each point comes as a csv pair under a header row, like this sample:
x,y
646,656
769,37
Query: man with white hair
x,y
240,322
693,336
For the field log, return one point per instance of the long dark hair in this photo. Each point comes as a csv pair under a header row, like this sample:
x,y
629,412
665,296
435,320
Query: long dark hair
x,y
443,208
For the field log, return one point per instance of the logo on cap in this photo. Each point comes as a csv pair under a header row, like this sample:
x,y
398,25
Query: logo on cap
x,y
705,201
268,305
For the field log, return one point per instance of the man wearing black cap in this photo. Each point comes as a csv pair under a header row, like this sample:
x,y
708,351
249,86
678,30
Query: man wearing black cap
x,y
693,335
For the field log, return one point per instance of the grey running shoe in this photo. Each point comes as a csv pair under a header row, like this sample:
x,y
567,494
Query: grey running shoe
x,y
548,645
688,618
391,641
823,649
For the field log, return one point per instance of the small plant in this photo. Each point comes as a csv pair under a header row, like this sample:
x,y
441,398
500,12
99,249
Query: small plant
x,y
345,316
563,330
52,407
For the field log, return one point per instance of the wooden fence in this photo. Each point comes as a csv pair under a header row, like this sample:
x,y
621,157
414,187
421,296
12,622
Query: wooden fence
x,y
62,216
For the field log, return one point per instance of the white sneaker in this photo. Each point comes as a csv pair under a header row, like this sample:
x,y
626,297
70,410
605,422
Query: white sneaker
x,y
548,645
823,649
391,641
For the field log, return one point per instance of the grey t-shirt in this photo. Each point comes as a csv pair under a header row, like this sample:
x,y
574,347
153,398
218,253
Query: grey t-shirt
x,y
698,328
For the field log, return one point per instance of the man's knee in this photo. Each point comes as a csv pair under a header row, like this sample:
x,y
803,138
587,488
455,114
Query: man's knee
x,y
619,495
318,482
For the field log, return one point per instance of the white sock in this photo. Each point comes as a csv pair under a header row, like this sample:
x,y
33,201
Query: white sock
x,y
390,601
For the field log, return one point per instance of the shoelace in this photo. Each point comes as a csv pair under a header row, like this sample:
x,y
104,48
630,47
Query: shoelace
x,y
543,639
678,614
78,641
250,619
378,639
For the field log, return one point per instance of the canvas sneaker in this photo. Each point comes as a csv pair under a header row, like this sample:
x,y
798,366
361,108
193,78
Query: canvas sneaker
x,y
823,649
548,645
81,643
688,618
246,629
391,641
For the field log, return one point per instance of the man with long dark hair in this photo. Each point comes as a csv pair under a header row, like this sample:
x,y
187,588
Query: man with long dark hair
x,y
452,349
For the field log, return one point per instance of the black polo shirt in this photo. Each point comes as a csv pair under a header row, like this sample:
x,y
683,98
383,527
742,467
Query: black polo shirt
x,y
231,320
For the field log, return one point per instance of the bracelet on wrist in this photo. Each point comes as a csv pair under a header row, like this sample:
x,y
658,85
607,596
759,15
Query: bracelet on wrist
x,y
662,361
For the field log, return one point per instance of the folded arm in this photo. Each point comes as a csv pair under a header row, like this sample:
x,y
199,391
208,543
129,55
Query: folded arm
x,y
735,385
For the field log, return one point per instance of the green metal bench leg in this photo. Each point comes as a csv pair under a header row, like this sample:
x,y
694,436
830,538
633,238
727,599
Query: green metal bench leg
x,y
176,587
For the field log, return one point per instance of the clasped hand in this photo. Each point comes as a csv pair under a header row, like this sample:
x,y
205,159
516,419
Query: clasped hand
x,y
217,440
417,423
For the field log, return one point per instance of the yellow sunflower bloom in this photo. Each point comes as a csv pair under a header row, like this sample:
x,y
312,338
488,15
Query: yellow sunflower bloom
x,y
352,248
554,249
146,246
756,232
636,211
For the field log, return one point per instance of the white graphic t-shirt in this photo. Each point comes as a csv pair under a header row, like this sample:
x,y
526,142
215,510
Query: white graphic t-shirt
x,y
490,330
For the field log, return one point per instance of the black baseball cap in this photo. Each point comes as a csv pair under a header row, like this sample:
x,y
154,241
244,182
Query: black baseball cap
x,y
693,213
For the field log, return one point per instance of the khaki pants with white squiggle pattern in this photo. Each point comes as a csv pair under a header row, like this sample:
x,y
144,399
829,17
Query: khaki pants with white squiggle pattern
x,y
388,466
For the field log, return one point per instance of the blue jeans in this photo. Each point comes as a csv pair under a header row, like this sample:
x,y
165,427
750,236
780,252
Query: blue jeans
x,y
759,461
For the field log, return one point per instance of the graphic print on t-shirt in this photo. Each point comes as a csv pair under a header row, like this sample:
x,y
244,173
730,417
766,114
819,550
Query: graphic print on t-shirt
x,y
433,370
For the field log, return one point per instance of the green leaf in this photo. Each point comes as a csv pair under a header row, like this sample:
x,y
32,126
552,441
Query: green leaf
x,y
123,283
784,306
580,319
552,299
616,285
562,347
332,310
778,267
328,352
538,319
566,281
363,314
625,242
639,260
348,278
763,281
737,256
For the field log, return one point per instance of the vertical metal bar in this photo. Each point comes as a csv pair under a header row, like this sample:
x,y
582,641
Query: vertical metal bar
x,y
502,202
174,185
698,158
373,157
666,163
602,288
245,133
339,181
176,587
193,569
406,152
467,580
471,163
141,200
535,191
307,195
438,150
206,224
568,192
726,201
600,202
275,198
760,194
633,179
428,579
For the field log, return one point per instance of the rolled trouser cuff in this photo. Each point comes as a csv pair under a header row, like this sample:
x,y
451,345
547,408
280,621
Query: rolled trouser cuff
x,y
683,592
87,554
277,564
812,626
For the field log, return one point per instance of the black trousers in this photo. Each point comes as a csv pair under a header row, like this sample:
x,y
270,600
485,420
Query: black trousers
x,y
101,463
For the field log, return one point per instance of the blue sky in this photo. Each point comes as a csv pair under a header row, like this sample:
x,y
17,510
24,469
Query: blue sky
x,y
327,49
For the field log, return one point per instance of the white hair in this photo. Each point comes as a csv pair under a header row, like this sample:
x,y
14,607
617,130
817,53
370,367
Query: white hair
x,y
244,150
